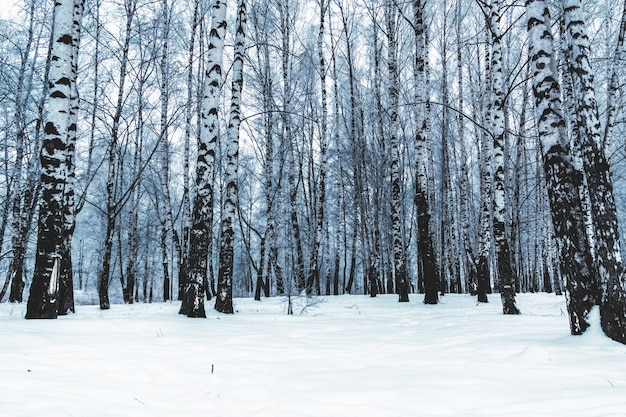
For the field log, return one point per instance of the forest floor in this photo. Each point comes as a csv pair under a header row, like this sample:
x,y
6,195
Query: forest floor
x,y
337,356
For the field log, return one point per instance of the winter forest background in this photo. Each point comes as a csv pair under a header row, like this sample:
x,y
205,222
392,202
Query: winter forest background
x,y
323,147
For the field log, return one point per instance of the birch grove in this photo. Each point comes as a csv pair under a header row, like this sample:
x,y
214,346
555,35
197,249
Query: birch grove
x,y
202,151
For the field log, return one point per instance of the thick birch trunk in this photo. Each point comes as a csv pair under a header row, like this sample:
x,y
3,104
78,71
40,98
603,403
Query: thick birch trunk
x,y
607,241
562,178
66,280
43,297
202,213
224,299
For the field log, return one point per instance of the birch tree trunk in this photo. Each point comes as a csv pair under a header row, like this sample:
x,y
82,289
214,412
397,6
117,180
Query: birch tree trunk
x,y
607,241
356,147
183,263
321,184
444,163
66,281
52,236
506,278
576,131
286,25
562,178
402,283
164,173
468,252
202,214
133,221
483,269
224,299
427,272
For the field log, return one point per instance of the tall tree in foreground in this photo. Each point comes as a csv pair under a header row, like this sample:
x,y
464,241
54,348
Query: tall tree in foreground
x,y
603,210
44,291
224,300
562,178
506,279
427,267
202,212
66,279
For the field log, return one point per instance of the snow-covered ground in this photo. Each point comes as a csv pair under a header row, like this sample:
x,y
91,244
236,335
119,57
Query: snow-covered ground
x,y
342,356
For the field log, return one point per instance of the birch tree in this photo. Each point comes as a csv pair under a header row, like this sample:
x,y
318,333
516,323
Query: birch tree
x,y
562,178
427,262
287,22
320,201
66,281
224,299
186,198
55,154
401,276
604,214
164,173
506,279
468,256
200,237
483,265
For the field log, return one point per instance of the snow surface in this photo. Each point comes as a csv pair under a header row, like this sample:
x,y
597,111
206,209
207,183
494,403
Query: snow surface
x,y
342,356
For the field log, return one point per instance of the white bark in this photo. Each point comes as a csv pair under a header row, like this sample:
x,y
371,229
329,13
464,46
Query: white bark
x,y
54,163
607,240
224,301
562,178
503,257
202,215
